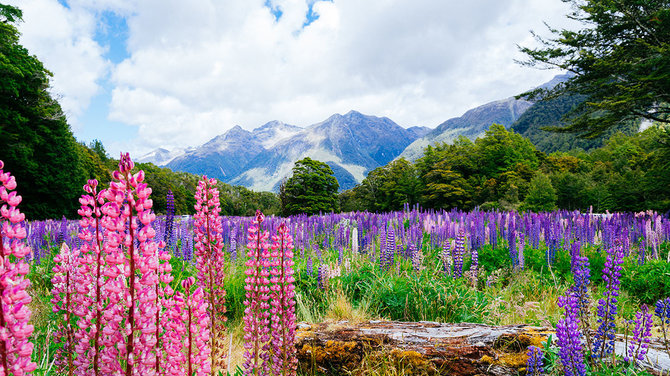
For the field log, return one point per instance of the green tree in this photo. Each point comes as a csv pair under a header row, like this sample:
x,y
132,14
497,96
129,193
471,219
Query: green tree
x,y
386,188
541,195
446,188
36,143
311,189
501,150
620,61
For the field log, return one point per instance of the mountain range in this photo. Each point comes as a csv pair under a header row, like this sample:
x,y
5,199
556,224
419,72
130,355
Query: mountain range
x,y
351,144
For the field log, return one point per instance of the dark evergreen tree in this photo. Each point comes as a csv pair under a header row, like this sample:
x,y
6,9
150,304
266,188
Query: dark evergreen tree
x,y
36,143
621,62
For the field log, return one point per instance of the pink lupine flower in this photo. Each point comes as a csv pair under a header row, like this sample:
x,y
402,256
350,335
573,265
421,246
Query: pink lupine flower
x,y
130,330
164,295
284,361
173,358
63,291
197,324
89,281
256,314
210,264
15,349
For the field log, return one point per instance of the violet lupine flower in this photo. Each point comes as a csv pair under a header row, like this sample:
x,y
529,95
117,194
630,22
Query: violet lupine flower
x,y
521,244
447,257
569,338
535,363
663,312
168,237
256,314
309,266
62,236
474,261
284,361
511,243
210,264
63,291
15,349
458,252
390,246
641,249
580,290
417,257
641,335
607,306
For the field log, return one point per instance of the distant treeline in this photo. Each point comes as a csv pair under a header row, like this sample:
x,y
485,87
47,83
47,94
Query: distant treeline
x,y
504,170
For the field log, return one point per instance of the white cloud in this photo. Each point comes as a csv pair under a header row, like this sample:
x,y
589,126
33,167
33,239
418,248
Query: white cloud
x,y
63,40
197,68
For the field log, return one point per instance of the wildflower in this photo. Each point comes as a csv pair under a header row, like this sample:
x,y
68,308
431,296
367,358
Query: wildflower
x,y
569,338
607,306
534,364
15,349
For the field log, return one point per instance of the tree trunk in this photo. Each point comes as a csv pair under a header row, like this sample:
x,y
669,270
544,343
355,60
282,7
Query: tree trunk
x,y
429,348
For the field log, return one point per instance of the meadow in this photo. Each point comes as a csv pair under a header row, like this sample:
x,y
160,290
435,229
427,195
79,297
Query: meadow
x,y
589,275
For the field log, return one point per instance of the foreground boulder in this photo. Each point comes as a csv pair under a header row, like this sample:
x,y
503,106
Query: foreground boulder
x,y
427,348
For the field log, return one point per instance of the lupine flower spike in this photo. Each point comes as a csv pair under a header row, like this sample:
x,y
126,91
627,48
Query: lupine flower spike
x,y
133,263
210,263
256,314
535,363
641,335
607,306
282,312
663,312
15,348
63,291
569,338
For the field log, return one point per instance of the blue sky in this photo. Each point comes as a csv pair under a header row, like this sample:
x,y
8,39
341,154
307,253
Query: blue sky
x,y
169,73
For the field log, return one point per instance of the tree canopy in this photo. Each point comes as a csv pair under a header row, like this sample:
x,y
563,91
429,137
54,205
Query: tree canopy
x,y
36,143
311,189
620,61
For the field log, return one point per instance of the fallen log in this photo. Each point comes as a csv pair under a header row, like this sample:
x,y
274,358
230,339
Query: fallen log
x,y
430,348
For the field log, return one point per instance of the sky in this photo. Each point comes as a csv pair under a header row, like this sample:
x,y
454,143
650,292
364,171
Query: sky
x,y
143,74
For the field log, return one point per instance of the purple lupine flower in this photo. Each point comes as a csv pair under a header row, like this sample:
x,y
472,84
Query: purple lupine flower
x,y
580,290
521,244
63,236
569,338
416,257
641,250
168,236
511,243
641,335
309,266
663,312
535,363
607,306
390,246
474,258
459,250
575,251
447,259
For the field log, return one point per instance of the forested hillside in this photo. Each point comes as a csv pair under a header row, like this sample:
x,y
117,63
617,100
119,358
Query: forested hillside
x,y
504,170
536,123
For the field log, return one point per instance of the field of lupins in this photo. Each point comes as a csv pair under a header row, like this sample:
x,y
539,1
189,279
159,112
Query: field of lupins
x,y
122,292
